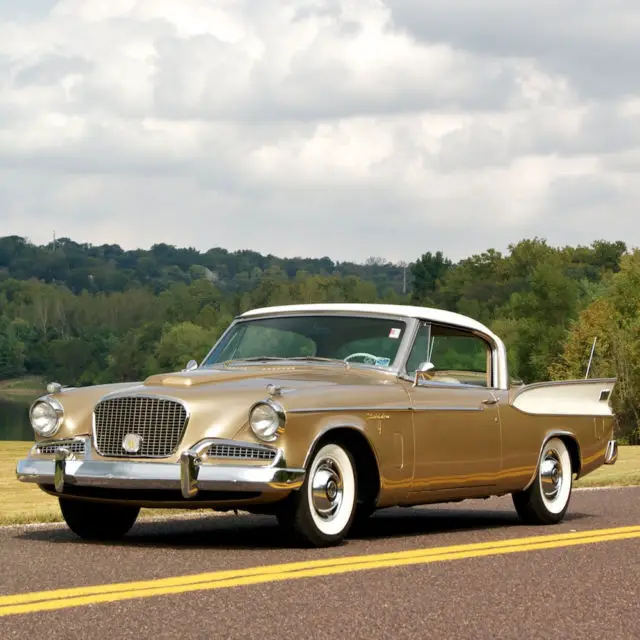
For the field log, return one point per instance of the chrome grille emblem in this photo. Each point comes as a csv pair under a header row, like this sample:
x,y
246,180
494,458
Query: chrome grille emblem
x,y
131,443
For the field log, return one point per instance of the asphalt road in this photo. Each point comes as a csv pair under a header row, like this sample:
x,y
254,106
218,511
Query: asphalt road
x,y
453,571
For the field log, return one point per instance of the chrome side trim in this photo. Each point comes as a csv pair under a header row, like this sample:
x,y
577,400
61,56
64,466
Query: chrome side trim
x,y
423,408
611,453
553,434
373,408
353,409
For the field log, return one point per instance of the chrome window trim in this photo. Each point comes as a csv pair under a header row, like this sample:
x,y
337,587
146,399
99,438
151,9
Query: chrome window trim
x,y
495,360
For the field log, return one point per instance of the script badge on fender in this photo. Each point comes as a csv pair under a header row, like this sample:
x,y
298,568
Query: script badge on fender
x,y
131,443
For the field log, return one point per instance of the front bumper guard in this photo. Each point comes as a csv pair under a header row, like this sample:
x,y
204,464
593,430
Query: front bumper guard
x,y
189,475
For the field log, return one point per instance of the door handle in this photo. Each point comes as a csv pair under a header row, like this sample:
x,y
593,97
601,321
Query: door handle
x,y
490,400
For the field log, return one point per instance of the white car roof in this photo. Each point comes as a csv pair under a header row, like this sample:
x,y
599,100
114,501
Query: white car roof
x,y
406,311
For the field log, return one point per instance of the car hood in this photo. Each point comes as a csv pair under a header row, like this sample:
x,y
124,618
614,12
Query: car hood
x,y
219,399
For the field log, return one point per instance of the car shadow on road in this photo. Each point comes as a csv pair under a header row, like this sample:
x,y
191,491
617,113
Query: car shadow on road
x,y
262,532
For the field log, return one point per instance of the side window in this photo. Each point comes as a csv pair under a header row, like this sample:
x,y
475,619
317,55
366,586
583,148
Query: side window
x,y
462,358
457,357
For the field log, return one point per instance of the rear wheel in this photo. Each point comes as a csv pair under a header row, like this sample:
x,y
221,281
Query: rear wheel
x,y
322,511
547,499
97,520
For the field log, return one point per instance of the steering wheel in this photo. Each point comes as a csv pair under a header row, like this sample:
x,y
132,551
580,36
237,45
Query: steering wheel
x,y
362,354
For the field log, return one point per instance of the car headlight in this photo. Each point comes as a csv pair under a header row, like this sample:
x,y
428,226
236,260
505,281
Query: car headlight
x,y
267,420
46,416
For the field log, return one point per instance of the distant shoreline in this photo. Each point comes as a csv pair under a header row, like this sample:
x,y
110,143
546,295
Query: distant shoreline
x,y
22,388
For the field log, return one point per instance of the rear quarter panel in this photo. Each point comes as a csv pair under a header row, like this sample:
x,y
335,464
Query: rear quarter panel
x,y
576,409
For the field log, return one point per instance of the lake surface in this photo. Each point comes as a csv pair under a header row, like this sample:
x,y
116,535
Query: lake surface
x,y
14,419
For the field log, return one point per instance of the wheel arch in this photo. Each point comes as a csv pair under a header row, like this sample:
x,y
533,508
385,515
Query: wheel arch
x,y
571,442
364,458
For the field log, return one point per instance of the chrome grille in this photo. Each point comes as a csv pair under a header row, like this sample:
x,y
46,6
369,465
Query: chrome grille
x,y
50,448
232,451
159,422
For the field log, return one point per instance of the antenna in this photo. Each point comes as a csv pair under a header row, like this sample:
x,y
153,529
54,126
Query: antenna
x,y
593,348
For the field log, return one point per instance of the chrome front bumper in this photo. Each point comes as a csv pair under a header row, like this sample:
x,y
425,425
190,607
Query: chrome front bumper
x,y
189,475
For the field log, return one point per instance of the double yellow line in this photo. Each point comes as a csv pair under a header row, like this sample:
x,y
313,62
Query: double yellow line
x,y
80,596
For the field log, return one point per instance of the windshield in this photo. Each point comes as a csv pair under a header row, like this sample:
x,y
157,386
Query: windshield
x,y
363,340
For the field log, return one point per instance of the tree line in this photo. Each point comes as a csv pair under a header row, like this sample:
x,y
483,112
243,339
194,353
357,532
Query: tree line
x,y
84,314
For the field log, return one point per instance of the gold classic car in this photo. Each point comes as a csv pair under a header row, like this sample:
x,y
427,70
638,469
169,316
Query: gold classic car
x,y
319,415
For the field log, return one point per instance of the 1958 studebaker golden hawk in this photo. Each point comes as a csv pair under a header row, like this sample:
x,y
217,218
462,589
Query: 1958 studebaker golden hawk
x,y
319,415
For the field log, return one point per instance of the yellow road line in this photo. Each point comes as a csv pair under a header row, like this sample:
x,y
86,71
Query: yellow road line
x,y
81,596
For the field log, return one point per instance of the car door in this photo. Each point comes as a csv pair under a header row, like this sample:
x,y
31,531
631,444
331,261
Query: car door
x,y
457,429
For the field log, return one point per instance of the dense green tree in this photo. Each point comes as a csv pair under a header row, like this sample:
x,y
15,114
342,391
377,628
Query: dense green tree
x,y
88,314
427,271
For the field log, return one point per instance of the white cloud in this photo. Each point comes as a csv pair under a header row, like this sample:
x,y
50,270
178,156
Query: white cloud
x,y
318,127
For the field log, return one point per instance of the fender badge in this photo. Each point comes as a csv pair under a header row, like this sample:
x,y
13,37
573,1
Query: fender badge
x,y
131,443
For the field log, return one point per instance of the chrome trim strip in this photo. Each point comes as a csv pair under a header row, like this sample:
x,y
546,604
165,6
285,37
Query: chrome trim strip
x,y
355,409
189,475
445,408
372,408
611,452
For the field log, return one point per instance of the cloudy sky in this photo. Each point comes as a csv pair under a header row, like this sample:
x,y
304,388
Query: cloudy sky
x,y
348,128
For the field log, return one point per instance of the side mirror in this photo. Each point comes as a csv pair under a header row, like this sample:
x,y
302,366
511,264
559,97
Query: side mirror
x,y
191,365
423,367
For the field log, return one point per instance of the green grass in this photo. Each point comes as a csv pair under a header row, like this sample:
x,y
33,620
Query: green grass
x,y
22,503
29,386
624,473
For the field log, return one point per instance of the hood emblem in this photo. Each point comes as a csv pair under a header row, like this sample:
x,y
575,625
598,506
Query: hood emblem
x,y
131,443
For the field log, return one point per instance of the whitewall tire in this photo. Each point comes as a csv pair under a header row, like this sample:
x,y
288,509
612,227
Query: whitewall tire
x,y
322,511
547,499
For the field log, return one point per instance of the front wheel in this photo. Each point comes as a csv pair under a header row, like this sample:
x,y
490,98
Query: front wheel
x,y
97,520
547,499
322,511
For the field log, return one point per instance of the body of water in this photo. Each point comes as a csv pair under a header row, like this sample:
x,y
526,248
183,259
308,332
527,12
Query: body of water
x,y
14,419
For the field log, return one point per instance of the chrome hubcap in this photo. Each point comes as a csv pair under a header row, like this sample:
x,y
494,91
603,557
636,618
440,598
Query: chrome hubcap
x,y
551,475
327,489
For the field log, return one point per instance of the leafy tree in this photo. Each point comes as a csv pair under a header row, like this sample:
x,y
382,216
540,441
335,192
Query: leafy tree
x,y
427,271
